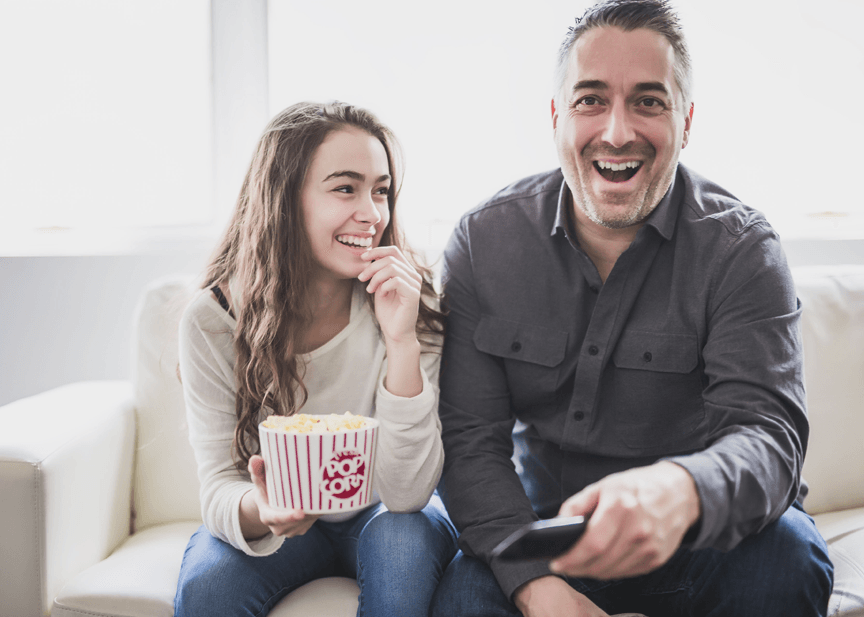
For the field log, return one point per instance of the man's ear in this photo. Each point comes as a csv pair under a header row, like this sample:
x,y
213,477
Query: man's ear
x,y
554,115
688,122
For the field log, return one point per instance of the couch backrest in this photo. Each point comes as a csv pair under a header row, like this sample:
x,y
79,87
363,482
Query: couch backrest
x,y
833,330
165,483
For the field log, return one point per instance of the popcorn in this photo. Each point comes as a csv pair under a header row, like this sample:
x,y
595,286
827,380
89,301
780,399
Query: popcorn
x,y
319,463
315,424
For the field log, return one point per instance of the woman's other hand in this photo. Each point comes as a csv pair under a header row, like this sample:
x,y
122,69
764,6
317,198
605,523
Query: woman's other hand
x,y
257,517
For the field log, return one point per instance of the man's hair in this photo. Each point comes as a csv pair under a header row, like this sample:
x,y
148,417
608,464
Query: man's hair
x,y
656,15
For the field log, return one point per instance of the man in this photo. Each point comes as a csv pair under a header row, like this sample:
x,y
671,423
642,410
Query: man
x,y
641,324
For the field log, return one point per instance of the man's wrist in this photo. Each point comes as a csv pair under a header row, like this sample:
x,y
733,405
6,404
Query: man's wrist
x,y
535,587
689,492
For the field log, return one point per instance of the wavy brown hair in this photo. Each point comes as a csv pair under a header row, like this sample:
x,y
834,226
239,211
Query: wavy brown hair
x,y
267,255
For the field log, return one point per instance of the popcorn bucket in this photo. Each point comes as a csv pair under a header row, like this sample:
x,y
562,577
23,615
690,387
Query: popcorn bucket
x,y
320,473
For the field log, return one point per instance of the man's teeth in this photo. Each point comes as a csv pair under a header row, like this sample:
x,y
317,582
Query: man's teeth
x,y
618,166
355,241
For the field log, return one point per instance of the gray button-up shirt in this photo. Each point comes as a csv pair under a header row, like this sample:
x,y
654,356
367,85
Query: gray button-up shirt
x,y
690,351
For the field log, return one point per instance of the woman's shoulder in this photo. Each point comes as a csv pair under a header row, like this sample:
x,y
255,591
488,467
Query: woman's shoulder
x,y
205,314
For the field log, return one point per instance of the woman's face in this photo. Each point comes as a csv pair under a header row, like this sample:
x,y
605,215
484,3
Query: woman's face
x,y
344,201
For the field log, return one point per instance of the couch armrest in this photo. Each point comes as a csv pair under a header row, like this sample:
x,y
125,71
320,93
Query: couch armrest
x,y
66,470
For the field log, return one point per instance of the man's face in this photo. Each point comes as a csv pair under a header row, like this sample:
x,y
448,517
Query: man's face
x,y
619,124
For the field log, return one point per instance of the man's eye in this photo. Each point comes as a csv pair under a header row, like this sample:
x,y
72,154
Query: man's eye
x,y
650,103
588,100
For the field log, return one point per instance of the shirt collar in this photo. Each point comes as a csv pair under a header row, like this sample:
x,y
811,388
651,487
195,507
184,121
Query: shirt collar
x,y
662,219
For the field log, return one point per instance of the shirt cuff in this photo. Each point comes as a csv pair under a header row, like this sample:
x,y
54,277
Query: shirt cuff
x,y
512,575
410,409
713,504
259,547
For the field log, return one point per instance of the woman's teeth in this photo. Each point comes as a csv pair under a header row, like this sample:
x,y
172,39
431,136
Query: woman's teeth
x,y
354,241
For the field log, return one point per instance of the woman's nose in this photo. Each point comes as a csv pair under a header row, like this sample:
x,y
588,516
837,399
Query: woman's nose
x,y
367,211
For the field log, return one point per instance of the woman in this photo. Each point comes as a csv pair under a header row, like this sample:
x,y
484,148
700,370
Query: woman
x,y
314,301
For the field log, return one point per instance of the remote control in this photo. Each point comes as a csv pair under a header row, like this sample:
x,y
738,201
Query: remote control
x,y
542,539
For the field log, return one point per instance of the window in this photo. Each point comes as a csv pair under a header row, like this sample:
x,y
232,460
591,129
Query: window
x,y
106,114
131,115
466,88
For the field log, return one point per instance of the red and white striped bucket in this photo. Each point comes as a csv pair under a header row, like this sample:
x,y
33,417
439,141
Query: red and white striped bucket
x,y
320,473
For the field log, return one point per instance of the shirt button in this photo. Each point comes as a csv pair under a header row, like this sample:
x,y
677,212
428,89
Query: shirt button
x,y
593,350
579,416
594,289
647,356
516,346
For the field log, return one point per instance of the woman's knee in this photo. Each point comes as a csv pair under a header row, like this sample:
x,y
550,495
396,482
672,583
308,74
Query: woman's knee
x,y
407,535
208,577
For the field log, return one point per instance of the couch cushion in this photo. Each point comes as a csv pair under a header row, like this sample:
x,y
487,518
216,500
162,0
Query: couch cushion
x,y
165,482
833,332
140,580
844,532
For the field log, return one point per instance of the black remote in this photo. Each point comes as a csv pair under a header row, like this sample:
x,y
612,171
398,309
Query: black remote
x,y
542,539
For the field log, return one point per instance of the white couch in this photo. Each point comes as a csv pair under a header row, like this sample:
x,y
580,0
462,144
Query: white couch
x,y
72,543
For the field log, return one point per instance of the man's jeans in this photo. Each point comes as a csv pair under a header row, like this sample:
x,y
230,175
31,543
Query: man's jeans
x,y
783,571
397,560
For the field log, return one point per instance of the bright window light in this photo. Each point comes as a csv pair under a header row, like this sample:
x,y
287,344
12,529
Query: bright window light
x,y
106,114
466,87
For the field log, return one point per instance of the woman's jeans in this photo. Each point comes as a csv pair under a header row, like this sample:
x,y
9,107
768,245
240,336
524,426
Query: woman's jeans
x,y
783,571
397,559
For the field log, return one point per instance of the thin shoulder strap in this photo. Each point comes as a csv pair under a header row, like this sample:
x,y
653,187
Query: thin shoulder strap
x,y
223,302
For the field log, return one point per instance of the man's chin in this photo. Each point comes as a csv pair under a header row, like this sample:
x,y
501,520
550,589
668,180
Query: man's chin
x,y
617,216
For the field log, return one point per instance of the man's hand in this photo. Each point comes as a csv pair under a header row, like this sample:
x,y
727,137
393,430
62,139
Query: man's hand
x,y
550,596
639,518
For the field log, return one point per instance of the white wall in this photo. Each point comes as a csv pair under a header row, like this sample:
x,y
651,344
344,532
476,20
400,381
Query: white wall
x,y
64,319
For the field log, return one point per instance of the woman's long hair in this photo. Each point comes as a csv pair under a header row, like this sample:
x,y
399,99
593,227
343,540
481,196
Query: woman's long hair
x,y
266,253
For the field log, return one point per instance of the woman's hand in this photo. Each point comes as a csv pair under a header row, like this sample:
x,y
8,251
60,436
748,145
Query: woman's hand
x,y
256,515
396,285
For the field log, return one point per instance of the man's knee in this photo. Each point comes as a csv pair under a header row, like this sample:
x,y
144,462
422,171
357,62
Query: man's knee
x,y
782,570
469,589
802,558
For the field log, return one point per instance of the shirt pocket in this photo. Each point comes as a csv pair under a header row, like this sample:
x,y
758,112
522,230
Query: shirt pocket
x,y
657,391
532,356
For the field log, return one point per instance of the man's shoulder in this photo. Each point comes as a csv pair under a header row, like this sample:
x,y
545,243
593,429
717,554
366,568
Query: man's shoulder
x,y
530,194
707,203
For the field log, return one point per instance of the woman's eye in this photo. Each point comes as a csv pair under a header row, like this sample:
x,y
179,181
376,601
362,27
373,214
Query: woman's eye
x,y
344,189
383,190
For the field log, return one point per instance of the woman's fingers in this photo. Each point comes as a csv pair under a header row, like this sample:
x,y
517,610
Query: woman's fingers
x,y
258,473
393,273
387,256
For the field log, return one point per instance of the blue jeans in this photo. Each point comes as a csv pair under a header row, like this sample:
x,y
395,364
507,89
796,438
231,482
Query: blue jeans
x,y
397,560
784,571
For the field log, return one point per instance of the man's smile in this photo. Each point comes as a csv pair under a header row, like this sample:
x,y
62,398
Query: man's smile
x,y
617,172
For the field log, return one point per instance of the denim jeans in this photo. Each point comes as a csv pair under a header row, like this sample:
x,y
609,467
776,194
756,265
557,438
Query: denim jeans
x,y
397,560
783,571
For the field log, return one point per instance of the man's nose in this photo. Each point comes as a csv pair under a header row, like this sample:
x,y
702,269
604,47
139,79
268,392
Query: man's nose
x,y
618,131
